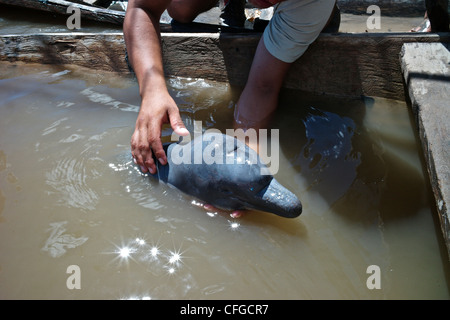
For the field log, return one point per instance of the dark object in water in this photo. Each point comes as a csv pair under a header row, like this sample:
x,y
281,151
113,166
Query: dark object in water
x,y
224,172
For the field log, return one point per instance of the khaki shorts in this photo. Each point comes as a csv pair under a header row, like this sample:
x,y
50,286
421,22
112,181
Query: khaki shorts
x,y
294,26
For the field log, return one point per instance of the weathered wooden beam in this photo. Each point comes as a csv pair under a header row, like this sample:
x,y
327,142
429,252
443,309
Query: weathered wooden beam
x,y
426,70
336,64
97,51
60,6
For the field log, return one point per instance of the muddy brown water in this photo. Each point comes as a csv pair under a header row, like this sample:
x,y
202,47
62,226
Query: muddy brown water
x,y
70,196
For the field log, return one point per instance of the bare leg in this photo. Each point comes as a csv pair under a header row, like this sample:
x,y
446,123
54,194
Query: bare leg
x,y
424,26
186,11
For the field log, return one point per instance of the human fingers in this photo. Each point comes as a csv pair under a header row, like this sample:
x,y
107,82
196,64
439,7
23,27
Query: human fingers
x,y
140,150
154,140
209,207
234,214
176,122
237,213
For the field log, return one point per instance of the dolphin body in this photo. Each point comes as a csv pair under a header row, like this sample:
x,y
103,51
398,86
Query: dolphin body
x,y
224,172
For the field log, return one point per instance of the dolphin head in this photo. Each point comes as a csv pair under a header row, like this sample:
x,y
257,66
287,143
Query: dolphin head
x,y
224,172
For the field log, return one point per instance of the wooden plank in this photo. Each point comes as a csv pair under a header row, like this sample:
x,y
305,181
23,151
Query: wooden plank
x,y
336,64
426,69
60,7
95,51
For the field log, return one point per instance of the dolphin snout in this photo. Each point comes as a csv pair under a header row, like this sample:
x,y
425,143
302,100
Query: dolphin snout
x,y
277,199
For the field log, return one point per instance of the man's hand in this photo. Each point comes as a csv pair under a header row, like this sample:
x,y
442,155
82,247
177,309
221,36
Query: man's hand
x,y
142,38
146,139
262,4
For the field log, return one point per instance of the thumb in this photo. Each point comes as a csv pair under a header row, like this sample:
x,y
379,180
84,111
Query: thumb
x,y
176,123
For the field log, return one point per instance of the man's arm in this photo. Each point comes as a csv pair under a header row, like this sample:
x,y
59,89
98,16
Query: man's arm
x,y
142,38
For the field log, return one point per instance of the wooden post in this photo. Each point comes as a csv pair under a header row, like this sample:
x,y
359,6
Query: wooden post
x,y
437,11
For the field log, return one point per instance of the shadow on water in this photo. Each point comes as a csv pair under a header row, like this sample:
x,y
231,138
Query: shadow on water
x,y
356,167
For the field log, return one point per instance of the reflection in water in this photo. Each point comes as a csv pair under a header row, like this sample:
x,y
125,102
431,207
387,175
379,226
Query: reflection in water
x,y
107,100
58,242
234,225
156,257
328,153
68,178
162,262
141,192
64,139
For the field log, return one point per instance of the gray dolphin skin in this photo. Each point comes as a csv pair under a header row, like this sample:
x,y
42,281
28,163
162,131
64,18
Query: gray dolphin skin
x,y
224,172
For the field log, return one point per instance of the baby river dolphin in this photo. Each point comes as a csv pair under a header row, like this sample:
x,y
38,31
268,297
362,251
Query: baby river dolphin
x,y
224,172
